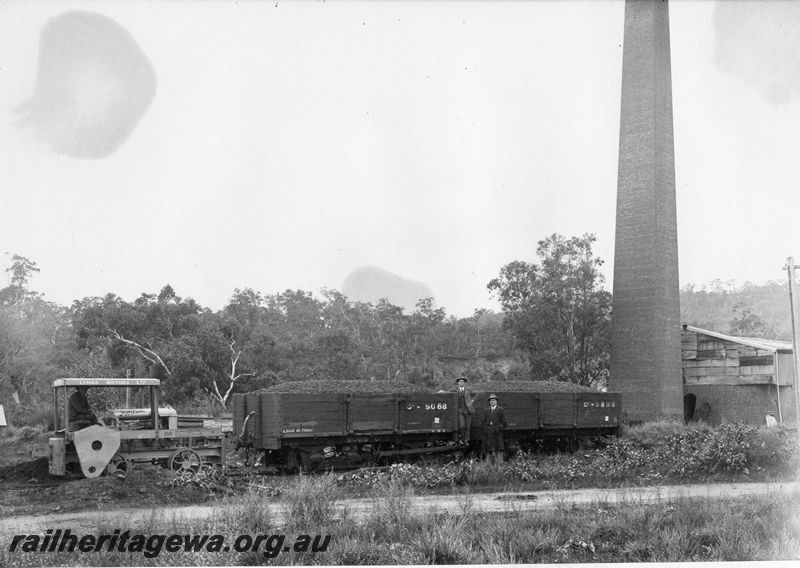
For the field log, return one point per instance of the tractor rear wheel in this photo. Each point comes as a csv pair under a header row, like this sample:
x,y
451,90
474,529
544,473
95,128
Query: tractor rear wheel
x,y
185,459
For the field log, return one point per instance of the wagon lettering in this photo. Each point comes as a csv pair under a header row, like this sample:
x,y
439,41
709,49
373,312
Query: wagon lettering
x,y
357,439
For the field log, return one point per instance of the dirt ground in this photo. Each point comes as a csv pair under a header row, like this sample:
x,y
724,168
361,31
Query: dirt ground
x,y
26,487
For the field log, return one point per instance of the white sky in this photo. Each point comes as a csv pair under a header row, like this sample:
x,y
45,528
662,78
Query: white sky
x,y
288,145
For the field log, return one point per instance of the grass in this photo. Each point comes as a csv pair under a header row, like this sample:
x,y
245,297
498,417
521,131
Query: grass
x,y
12,432
392,532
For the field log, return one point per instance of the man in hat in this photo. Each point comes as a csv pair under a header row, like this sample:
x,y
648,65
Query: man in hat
x,y
465,410
494,422
80,412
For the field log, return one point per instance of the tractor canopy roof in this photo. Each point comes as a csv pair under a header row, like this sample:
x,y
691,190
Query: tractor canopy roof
x,y
106,383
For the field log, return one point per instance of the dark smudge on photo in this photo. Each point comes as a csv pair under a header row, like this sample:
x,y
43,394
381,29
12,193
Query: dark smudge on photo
x,y
94,84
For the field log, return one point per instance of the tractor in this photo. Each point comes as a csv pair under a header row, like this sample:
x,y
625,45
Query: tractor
x,y
126,433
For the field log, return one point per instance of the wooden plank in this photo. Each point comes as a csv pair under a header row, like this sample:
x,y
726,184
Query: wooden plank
x,y
713,363
753,380
710,345
757,360
758,370
264,421
372,412
238,412
271,434
785,369
557,410
711,354
312,414
707,372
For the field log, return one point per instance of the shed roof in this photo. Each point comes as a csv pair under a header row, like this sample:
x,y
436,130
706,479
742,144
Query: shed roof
x,y
774,345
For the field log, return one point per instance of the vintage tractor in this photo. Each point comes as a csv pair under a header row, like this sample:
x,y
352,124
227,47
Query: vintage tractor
x,y
124,436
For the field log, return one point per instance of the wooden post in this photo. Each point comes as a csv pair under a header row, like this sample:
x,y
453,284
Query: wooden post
x,y
127,390
790,267
776,364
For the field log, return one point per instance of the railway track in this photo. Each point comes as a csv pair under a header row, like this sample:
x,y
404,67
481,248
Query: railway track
x,y
27,485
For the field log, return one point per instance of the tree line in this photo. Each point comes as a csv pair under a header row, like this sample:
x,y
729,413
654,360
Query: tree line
x,y
554,325
257,339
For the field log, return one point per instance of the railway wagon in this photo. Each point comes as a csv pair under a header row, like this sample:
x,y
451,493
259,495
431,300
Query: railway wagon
x,y
554,420
298,429
304,429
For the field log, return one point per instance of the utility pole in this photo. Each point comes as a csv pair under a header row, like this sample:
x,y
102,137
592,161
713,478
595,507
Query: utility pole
x,y
790,267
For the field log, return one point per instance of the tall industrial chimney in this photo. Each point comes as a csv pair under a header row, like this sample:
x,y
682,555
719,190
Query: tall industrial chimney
x,y
645,325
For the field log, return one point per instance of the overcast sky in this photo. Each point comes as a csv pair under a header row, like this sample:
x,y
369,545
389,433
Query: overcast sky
x,y
285,145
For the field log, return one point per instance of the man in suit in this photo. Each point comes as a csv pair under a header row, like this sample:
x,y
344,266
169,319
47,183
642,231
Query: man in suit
x,y
494,423
465,410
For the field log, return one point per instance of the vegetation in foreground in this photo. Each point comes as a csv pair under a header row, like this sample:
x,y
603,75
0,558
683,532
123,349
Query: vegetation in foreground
x,y
393,532
653,454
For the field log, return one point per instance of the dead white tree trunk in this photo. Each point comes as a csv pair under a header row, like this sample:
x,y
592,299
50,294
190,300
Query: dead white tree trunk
x,y
233,376
145,352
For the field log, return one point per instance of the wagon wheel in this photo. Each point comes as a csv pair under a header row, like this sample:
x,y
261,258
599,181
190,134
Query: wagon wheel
x,y
185,459
118,466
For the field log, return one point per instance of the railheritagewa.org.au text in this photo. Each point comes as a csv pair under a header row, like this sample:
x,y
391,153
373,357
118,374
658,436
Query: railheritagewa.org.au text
x,y
269,545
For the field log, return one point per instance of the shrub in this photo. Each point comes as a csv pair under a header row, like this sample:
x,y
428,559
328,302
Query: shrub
x,y
30,414
310,501
775,449
201,403
658,433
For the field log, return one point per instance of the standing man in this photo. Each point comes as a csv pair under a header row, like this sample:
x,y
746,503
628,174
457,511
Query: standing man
x,y
465,410
494,422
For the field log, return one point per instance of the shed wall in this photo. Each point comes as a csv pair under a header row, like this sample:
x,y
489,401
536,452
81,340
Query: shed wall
x,y
711,360
743,403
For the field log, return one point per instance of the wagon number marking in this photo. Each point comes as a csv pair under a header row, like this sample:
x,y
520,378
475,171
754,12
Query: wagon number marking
x,y
610,404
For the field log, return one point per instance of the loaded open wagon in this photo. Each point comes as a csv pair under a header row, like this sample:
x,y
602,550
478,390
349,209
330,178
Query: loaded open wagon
x,y
553,419
298,429
308,429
